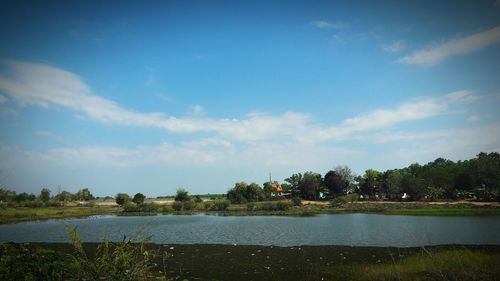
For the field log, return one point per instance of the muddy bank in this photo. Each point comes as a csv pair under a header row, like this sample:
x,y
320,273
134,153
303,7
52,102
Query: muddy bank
x,y
238,262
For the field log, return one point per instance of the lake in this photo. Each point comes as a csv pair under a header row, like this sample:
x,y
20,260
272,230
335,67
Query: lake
x,y
327,229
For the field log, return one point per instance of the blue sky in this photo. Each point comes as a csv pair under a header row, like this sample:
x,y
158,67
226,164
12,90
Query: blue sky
x,y
135,97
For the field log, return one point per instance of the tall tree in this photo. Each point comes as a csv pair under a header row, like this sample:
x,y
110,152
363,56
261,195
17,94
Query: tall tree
x,y
45,195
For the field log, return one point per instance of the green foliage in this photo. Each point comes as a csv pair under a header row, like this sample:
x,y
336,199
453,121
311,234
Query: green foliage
x,y
177,206
84,195
181,195
122,198
197,199
242,193
113,261
220,205
435,193
45,195
296,201
142,208
272,206
138,198
310,185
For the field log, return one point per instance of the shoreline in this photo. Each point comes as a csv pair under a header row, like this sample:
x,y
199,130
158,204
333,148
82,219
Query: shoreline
x,y
15,215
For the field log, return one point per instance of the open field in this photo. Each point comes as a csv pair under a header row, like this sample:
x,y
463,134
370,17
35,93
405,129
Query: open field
x,y
10,215
230,262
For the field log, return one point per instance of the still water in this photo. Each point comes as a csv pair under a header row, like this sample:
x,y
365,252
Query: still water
x,y
338,229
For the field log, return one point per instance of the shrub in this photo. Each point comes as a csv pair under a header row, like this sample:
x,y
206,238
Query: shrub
x,y
177,206
208,205
197,199
122,198
139,198
273,206
188,205
296,201
250,206
181,195
220,205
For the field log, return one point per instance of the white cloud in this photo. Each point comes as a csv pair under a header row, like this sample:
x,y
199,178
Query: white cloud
x,y
453,47
394,47
48,86
326,24
408,111
2,99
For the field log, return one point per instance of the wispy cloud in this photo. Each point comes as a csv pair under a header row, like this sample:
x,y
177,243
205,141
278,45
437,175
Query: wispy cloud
x,y
394,47
48,86
326,24
458,46
2,99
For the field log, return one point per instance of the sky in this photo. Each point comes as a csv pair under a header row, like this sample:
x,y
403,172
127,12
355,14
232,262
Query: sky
x,y
133,96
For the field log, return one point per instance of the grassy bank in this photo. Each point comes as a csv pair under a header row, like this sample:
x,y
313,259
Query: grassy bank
x,y
273,208
228,262
10,215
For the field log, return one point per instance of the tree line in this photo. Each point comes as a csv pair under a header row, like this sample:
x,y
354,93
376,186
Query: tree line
x,y
44,198
477,178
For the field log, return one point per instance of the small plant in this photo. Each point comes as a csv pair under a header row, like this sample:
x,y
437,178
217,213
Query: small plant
x,y
220,205
177,206
296,201
197,199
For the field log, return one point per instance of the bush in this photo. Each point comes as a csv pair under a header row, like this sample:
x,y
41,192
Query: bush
x,y
250,206
197,199
139,198
122,198
296,201
181,195
220,205
273,206
188,205
177,206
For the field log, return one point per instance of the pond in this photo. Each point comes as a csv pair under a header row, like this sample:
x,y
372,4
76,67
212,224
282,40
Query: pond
x,y
328,229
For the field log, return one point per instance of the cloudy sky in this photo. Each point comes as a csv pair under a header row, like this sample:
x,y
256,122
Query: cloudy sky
x,y
149,97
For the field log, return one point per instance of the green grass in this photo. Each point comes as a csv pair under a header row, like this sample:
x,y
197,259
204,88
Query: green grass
x,y
11,215
446,265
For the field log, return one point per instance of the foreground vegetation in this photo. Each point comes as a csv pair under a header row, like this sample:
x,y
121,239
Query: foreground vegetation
x,y
141,261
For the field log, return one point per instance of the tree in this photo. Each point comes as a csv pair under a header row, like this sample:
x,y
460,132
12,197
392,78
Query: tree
x,y
64,196
138,198
370,182
181,195
310,185
295,180
336,183
7,195
45,195
122,198
84,195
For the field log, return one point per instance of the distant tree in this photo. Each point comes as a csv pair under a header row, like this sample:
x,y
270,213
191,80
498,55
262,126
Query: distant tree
x,y
391,183
45,195
122,198
336,183
310,185
345,173
7,195
237,194
370,182
84,195
254,193
64,196
413,186
295,180
181,195
138,198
